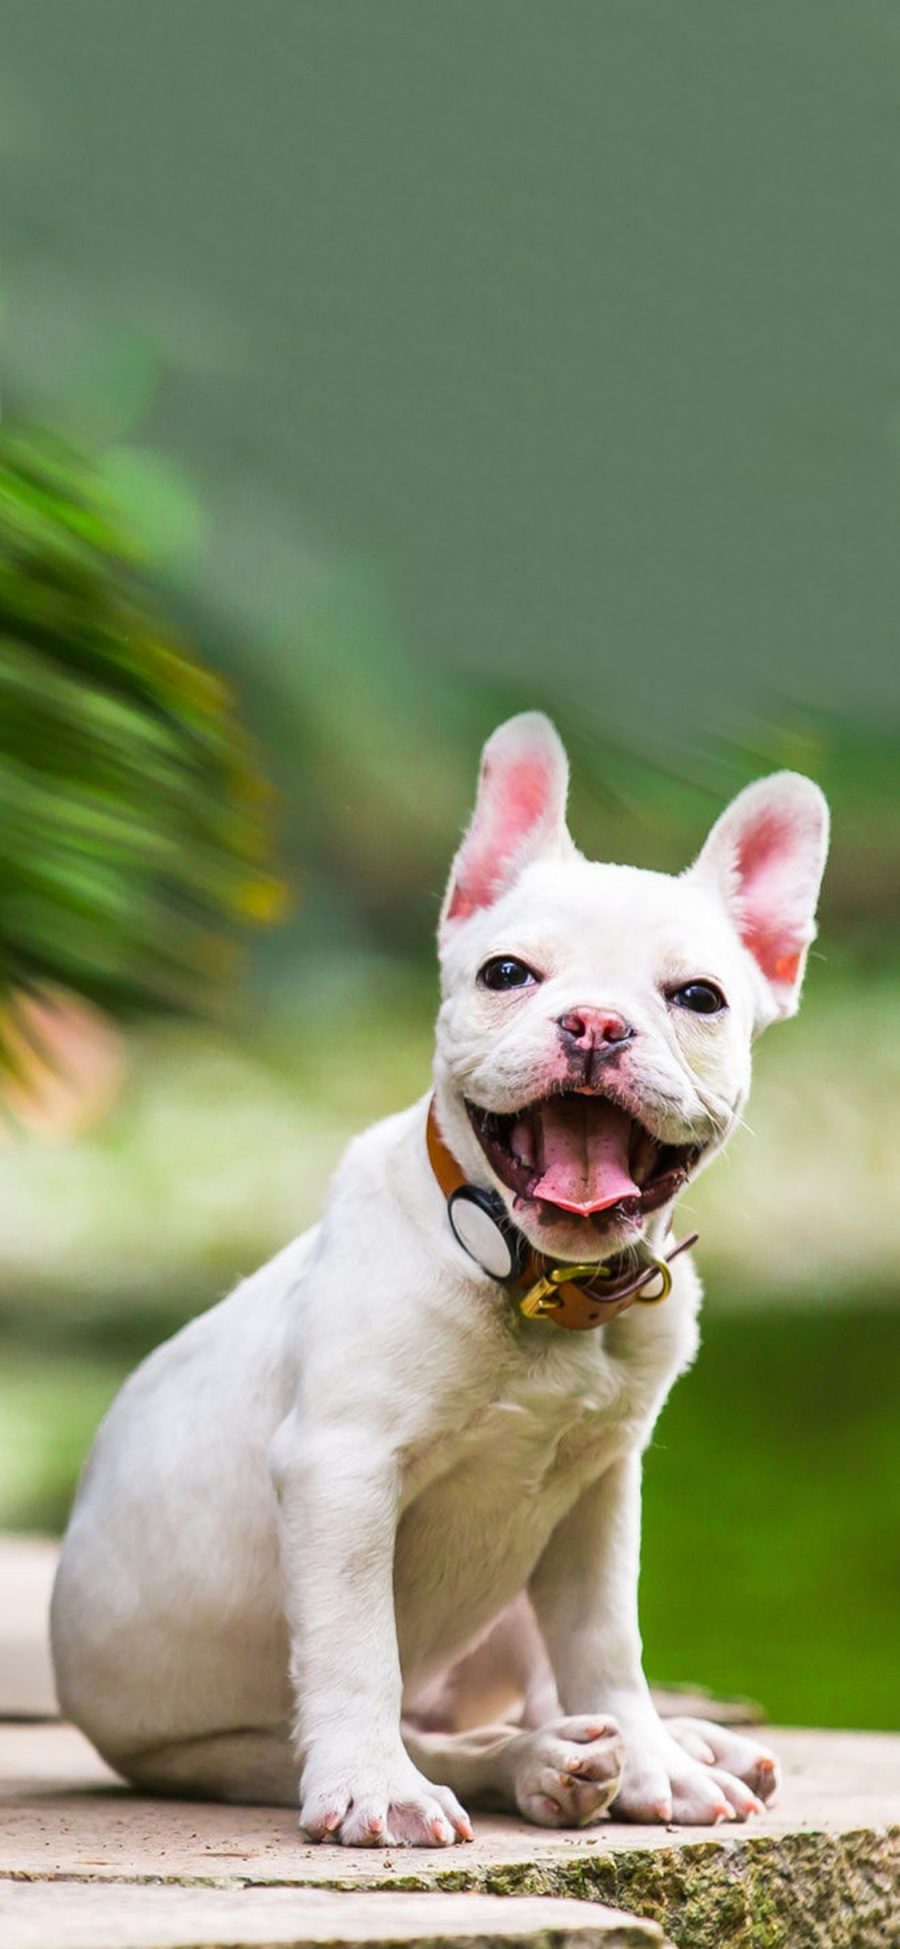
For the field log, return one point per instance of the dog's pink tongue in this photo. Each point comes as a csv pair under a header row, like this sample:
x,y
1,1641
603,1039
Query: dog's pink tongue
x,y
585,1155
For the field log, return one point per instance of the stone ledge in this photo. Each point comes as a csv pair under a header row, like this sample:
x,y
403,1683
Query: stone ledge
x,y
56,1915
821,1871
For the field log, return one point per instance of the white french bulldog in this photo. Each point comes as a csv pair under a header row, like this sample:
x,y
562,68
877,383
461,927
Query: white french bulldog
x,y
303,1510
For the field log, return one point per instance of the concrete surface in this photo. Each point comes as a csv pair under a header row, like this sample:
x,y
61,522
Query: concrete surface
x,y
86,1864
822,1869
65,1813
57,1916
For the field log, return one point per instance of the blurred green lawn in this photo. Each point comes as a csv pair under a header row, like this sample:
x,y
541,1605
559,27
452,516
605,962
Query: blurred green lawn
x,y
772,1516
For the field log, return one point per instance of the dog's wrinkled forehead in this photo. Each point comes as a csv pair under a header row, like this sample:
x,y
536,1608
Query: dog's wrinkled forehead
x,y
613,926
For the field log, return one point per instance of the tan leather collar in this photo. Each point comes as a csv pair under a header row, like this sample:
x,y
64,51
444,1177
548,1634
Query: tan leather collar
x,y
576,1297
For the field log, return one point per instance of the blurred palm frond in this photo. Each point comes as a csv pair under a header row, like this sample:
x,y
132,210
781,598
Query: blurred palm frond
x,y
133,827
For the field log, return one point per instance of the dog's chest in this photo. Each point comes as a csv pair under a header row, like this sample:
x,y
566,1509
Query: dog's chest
x,y
546,1414
485,1498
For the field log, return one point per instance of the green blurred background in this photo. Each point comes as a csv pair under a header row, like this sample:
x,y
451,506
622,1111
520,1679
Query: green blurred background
x,y
444,360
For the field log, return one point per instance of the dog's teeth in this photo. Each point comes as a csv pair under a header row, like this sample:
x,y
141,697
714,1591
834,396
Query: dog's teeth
x,y
645,1157
522,1141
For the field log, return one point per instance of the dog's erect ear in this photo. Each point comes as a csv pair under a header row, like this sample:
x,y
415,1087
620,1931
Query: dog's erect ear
x,y
520,814
765,855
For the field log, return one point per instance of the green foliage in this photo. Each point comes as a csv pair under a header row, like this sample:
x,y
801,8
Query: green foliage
x,y
771,1499
132,829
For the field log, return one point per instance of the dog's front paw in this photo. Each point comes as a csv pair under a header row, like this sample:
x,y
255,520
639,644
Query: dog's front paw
x,y
359,1805
689,1778
566,1774
745,1759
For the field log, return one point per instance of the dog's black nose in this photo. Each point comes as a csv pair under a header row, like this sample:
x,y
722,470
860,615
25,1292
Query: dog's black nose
x,y
594,1028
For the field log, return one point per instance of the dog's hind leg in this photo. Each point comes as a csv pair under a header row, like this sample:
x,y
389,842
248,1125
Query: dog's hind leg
x,y
254,1767
562,1775
506,1678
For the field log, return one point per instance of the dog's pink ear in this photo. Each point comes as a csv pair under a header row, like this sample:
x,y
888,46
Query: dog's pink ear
x,y
519,814
766,855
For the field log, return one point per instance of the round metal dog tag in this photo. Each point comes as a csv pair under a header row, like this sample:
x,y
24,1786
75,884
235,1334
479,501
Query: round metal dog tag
x,y
480,1225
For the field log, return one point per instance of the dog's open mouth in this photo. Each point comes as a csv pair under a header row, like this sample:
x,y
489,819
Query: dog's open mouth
x,y
582,1154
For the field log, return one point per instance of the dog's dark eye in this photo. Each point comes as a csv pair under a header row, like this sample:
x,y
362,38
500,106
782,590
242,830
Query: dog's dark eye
x,y
504,971
701,997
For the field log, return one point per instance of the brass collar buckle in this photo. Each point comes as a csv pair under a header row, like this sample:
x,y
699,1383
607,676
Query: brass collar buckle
x,y
543,1297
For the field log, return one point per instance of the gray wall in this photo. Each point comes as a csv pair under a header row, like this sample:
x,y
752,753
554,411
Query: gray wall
x,y
574,324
